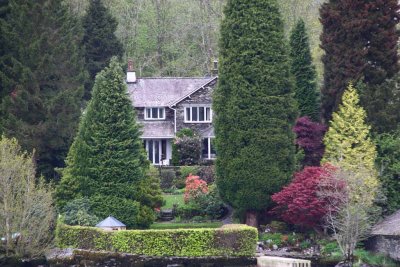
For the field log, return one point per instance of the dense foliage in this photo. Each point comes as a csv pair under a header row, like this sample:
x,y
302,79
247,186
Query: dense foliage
x,y
99,41
106,162
254,106
299,202
309,138
348,144
41,79
26,204
388,162
382,104
194,187
360,42
188,149
78,212
304,73
237,240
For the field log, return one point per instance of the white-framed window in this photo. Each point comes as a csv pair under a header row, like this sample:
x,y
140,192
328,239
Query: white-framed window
x,y
154,113
198,114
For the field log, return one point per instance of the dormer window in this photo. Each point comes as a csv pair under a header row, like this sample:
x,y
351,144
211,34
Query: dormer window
x,y
155,113
198,114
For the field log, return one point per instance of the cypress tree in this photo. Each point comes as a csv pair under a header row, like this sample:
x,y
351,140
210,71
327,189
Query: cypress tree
x,y
42,76
304,73
106,163
360,43
254,107
99,40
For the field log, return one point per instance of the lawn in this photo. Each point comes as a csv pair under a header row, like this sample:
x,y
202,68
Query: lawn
x,y
170,200
167,225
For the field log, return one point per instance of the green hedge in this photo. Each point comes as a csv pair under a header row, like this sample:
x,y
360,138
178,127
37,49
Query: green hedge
x,y
237,240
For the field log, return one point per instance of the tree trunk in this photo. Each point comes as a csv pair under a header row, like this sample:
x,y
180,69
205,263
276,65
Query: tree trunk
x,y
252,218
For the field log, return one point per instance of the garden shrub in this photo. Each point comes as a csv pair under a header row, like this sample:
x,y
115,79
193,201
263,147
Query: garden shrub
x,y
299,202
230,241
194,188
189,210
77,212
167,177
186,148
127,211
207,173
185,171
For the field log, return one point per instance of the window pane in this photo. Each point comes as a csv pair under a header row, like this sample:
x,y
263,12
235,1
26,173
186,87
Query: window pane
x,y
156,152
163,149
204,151
201,113
148,113
188,114
154,112
208,114
161,113
150,142
212,146
194,115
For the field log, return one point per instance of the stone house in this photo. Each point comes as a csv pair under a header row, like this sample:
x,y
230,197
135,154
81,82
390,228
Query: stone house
x,y
385,237
165,106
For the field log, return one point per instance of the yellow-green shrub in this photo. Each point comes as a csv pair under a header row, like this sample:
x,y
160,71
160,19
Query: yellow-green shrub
x,y
239,240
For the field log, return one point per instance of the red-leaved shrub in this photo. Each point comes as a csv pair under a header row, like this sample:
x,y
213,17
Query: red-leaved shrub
x,y
194,187
309,137
299,203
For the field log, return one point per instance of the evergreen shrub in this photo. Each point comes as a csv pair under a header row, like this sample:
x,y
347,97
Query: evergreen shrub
x,y
238,240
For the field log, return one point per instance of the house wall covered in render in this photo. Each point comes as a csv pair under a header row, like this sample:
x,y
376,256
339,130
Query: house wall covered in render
x,y
202,96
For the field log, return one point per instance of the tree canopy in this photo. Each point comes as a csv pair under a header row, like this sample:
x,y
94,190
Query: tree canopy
x,y
254,106
106,161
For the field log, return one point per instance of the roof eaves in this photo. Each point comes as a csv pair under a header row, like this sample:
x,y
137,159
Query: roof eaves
x,y
191,92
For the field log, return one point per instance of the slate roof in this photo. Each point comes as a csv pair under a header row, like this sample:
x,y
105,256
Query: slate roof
x,y
110,222
162,92
158,129
389,226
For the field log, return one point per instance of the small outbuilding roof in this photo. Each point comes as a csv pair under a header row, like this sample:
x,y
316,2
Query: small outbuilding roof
x,y
163,92
110,222
390,226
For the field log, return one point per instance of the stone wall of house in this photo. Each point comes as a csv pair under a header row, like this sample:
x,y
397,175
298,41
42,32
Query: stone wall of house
x,y
389,245
202,96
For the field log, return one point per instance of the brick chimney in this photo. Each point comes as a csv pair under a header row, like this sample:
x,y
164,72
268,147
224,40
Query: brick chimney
x,y
130,74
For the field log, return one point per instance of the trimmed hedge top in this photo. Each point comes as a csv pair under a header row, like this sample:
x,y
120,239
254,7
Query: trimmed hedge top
x,y
238,240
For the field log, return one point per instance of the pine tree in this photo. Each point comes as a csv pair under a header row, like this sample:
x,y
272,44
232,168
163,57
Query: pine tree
x,y
347,142
254,107
99,40
106,162
42,77
304,73
360,43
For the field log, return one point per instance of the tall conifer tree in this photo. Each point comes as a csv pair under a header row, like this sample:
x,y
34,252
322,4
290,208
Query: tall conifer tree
x,y
254,106
360,43
42,76
99,40
348,144
304,73
106,162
